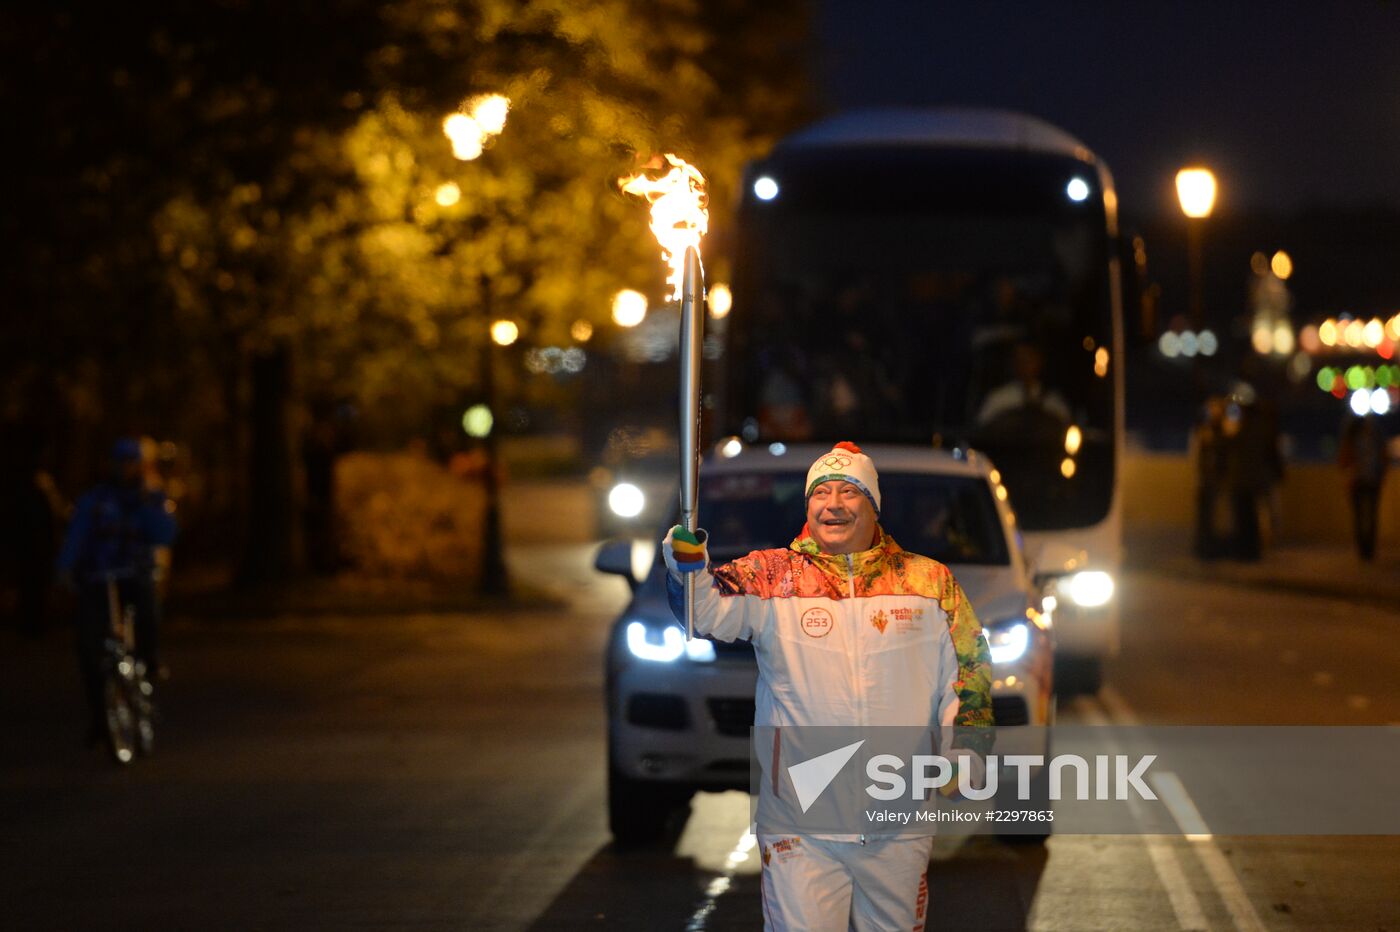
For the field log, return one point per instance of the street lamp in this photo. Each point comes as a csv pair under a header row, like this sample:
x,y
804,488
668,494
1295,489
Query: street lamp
x,y
1195,188
470,130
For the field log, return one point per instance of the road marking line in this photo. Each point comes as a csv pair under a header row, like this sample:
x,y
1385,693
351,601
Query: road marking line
x,y
720,885
1160,850
1179,803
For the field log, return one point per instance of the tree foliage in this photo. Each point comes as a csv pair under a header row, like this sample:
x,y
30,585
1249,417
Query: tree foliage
x,y
204,184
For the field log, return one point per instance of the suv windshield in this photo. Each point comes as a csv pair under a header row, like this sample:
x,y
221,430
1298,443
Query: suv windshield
x,y
949,518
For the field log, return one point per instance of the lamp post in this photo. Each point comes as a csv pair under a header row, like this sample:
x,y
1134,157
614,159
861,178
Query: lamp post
x,y
494,577
1195,189
471,129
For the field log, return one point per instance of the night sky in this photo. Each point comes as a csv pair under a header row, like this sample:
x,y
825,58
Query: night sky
x,y
1293,104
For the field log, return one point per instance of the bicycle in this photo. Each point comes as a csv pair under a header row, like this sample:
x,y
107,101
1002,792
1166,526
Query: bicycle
x,y
127,692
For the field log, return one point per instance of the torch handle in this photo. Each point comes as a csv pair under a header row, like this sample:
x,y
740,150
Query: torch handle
x,y
692,339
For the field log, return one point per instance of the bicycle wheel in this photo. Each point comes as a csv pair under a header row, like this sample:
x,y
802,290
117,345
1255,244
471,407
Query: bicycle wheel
x,y
122,731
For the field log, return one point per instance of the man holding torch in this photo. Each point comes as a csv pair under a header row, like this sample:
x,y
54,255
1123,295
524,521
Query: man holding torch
x,y
840,565
844,671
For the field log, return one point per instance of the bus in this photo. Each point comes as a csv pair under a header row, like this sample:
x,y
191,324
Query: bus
x,y
948,279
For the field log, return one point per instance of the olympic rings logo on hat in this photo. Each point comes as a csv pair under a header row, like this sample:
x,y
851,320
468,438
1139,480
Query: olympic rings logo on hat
x,y
836,461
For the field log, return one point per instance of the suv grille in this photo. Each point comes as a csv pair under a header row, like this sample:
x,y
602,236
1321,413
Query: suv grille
x,y
733,717
658,710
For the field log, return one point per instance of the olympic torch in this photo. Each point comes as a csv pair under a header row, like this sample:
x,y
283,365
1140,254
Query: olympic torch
x,y
679,219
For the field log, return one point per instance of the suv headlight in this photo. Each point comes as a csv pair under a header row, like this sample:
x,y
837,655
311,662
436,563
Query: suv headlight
x,y
1008,639
1088,589
666,645
626,500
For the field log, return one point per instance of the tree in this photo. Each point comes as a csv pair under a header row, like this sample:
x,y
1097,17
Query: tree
x,y
281,220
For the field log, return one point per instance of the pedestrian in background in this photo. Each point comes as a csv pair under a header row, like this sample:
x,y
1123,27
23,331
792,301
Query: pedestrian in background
x,y
1362,457
1208,454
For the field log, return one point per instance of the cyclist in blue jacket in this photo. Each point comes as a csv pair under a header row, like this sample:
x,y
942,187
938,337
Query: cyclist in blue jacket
x,y
116,528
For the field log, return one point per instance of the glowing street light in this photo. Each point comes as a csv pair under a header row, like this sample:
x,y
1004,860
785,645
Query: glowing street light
x,y
1195,188
473,126
629,308
720,300
447,194
1282,265
504,332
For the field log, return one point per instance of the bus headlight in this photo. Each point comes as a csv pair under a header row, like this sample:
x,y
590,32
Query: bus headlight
x,y
626,500
1008,640
666,645
1088,589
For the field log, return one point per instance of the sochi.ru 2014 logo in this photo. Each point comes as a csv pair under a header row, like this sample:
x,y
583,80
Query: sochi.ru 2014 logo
x,y
879,620
816,622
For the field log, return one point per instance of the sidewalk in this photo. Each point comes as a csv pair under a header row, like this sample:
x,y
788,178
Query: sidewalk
x,y
1327,570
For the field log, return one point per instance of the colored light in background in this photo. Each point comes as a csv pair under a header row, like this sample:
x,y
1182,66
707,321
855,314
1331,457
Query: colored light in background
x,y
1380,401
1327,332
1282,265
1196,189
504,332
1262,339
466,134
489,111
629,308
1361,403
477,421
765,188
1169,345
1077,190
1067,468
720,300
1351,333
1309,340
1073,438
1325,377
1372,333
447,194
581,330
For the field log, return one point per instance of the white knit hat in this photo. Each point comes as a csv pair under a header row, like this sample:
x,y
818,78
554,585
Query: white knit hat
x,y
848,463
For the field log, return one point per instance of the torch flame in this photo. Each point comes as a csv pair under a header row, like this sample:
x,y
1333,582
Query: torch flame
x,y
680,213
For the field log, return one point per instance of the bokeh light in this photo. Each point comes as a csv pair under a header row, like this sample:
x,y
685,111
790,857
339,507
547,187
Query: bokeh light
x,y
504,332
629,308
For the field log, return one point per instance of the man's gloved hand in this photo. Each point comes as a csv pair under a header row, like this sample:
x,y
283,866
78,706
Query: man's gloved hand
x,y
684,552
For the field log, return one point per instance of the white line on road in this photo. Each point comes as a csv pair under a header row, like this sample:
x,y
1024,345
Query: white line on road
x,y
720,884
1188,818
1160,850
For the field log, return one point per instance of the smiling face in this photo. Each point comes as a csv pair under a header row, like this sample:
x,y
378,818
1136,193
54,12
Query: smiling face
x,y
840,518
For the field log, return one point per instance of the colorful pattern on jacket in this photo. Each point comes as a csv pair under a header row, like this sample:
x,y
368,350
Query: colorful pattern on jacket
x,y
802,573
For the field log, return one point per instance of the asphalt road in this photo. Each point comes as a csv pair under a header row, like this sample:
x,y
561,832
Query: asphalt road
x,y
446,771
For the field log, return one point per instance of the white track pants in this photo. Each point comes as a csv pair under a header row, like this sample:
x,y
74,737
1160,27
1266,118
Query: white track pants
x,y
810,885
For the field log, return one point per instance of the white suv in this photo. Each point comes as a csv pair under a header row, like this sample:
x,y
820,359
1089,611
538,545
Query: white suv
x,y
679,713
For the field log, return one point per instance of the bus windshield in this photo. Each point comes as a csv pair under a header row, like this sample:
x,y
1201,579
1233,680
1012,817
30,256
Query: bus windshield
x,y
914,295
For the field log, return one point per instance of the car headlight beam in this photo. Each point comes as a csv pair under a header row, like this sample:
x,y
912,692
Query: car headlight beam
x,y
1089,589
666,645
626,500
1008,641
